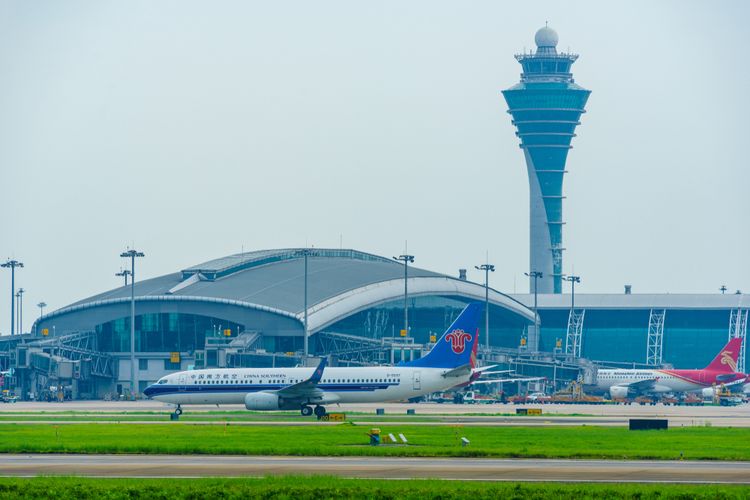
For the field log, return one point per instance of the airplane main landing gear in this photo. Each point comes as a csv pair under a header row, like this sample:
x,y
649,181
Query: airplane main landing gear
x,y
307,410
175,415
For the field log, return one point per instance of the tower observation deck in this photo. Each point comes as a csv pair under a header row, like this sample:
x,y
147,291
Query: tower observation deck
x,y
546,106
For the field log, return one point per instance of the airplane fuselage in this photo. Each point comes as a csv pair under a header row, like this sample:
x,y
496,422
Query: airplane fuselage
x,y
338,385
667,380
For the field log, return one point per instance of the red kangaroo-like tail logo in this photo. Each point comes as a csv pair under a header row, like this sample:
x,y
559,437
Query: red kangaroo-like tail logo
x,y
458,340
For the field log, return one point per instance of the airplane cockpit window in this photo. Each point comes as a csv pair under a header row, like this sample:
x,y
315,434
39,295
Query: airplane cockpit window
x,y
163,381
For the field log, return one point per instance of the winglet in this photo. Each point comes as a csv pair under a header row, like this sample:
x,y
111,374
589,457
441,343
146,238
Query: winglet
x,y
318,373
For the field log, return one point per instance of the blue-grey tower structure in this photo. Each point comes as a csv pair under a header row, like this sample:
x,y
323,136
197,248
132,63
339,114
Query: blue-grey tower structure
x,y
546,107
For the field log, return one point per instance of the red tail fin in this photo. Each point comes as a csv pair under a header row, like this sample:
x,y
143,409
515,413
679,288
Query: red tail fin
x,y
473,358
726,360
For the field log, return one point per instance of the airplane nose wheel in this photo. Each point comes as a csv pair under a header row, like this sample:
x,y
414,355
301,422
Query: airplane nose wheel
x,y
306,411
320,411
178,410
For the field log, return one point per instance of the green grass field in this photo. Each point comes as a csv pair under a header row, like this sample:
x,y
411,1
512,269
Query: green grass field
x,y
692,443
328,487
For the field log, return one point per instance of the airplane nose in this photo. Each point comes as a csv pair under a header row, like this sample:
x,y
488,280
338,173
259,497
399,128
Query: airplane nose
x,y
148,391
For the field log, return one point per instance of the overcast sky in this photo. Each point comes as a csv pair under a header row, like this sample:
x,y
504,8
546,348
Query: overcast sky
x,y
193,129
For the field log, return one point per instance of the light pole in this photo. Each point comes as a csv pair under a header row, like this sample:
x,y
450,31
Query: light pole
x,y
41,307
573,280
124,273
132,254
535,343
723,289
486,268
20,293
406,259
12,264
305,252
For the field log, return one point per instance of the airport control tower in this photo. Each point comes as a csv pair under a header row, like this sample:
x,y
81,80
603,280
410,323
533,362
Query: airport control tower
x,y
546,107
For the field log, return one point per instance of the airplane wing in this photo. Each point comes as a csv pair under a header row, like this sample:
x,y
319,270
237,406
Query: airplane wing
x,y
307,388
507,380
635,388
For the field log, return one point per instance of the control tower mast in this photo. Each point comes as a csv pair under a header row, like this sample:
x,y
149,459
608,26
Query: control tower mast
x,y
546,107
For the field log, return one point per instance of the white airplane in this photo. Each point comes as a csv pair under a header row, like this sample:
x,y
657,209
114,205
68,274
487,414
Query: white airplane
x,y
450,363
622,383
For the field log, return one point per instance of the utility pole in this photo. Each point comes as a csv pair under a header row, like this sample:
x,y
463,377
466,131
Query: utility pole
x,y
486,268
132,254
535,275
12,264
406,259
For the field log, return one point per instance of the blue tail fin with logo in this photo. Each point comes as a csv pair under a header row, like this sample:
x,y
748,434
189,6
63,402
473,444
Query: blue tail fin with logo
x,y
458,345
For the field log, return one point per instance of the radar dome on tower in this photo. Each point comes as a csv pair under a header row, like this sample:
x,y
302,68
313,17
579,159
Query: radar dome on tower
x,y
546,37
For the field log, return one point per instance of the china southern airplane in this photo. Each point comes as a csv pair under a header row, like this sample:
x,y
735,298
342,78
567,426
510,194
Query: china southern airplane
x,y
629,383
451,362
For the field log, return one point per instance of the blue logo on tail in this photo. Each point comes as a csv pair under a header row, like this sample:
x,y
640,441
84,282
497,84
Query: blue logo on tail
x,y
457,345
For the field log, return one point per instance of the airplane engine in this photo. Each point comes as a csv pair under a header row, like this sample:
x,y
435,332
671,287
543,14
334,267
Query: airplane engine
x,y
708,392
262,401
618,392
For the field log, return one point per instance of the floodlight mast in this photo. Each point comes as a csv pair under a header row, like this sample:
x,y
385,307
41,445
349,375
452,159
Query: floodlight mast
x,y
305,253
20,293
12,264
41,307
124,273
132,254
535,275
487,268
406,259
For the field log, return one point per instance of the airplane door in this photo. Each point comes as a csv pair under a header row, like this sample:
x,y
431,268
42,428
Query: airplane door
x,y
417,381
182,383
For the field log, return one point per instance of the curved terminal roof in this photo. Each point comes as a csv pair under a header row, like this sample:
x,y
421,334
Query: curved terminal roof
x,y
340,282
639,301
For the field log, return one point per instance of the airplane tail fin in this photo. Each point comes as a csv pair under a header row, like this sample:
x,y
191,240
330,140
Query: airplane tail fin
x,y
726,360
458,345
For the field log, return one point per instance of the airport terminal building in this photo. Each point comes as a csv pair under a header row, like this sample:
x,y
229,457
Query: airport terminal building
x,y
249,310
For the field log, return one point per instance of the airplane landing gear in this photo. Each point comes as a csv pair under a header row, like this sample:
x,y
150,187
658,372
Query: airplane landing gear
x,y
306,411
320,411
175,415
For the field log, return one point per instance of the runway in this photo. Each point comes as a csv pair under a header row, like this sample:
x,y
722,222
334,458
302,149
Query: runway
x,y
395,413
377,467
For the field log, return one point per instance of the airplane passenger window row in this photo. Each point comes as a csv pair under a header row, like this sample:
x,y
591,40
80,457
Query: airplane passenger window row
x,y
325,381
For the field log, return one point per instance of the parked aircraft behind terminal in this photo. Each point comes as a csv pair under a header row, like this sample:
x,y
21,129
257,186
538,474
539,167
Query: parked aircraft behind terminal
x,y
451,362
623,383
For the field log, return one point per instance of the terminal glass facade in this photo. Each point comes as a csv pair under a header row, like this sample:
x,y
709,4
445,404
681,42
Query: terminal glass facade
x,y
691,337
163,332
428,315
